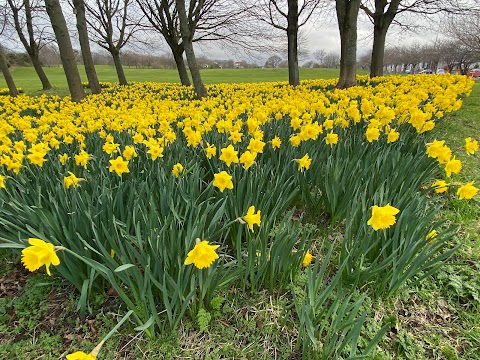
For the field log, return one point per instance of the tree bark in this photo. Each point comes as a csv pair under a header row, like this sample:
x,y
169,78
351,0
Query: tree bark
x,y
67,55
200,89
181,67
381,22
12,89
347,15
37,65
122,80
292,38
378,50
93,83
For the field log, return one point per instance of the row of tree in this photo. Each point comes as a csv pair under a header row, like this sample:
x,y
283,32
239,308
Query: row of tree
x,y
450,55
251,25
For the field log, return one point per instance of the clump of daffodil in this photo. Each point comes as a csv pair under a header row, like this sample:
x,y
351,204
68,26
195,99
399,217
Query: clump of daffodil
x,y
383,217
40,253
202,255
252,218
222,181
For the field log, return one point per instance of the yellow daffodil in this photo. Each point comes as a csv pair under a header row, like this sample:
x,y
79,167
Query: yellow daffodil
x,y
80,355
467,191
129,152
252,218
202,255
119,165
392,136
276,142
38,254
210,151
37,158
70,180
304,163
307,260
229,155
440,186
177,169
155,152
431,235
471,146
82,158
453,167
247,159
372,134
222,181
2,182
256,146
383,217
331,139
63,158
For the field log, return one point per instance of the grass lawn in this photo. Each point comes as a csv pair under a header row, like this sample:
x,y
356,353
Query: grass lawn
x,y
438,319
27,79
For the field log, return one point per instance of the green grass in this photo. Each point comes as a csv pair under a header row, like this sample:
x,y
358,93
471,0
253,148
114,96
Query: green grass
x,y
26,78
438,319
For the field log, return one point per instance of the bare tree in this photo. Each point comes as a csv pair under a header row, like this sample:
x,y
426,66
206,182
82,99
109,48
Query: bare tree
x,y
331,60
466,30
384,12
273,61
79,9
112,27
32,32
186,29
347,16
54,11
287,16
163,17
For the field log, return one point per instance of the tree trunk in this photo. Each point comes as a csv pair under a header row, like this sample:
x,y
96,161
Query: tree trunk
x,y
67,55
12,89
347,15
200,89
122,80
292,37
93,83
382,19
378,51
181,67
39,70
